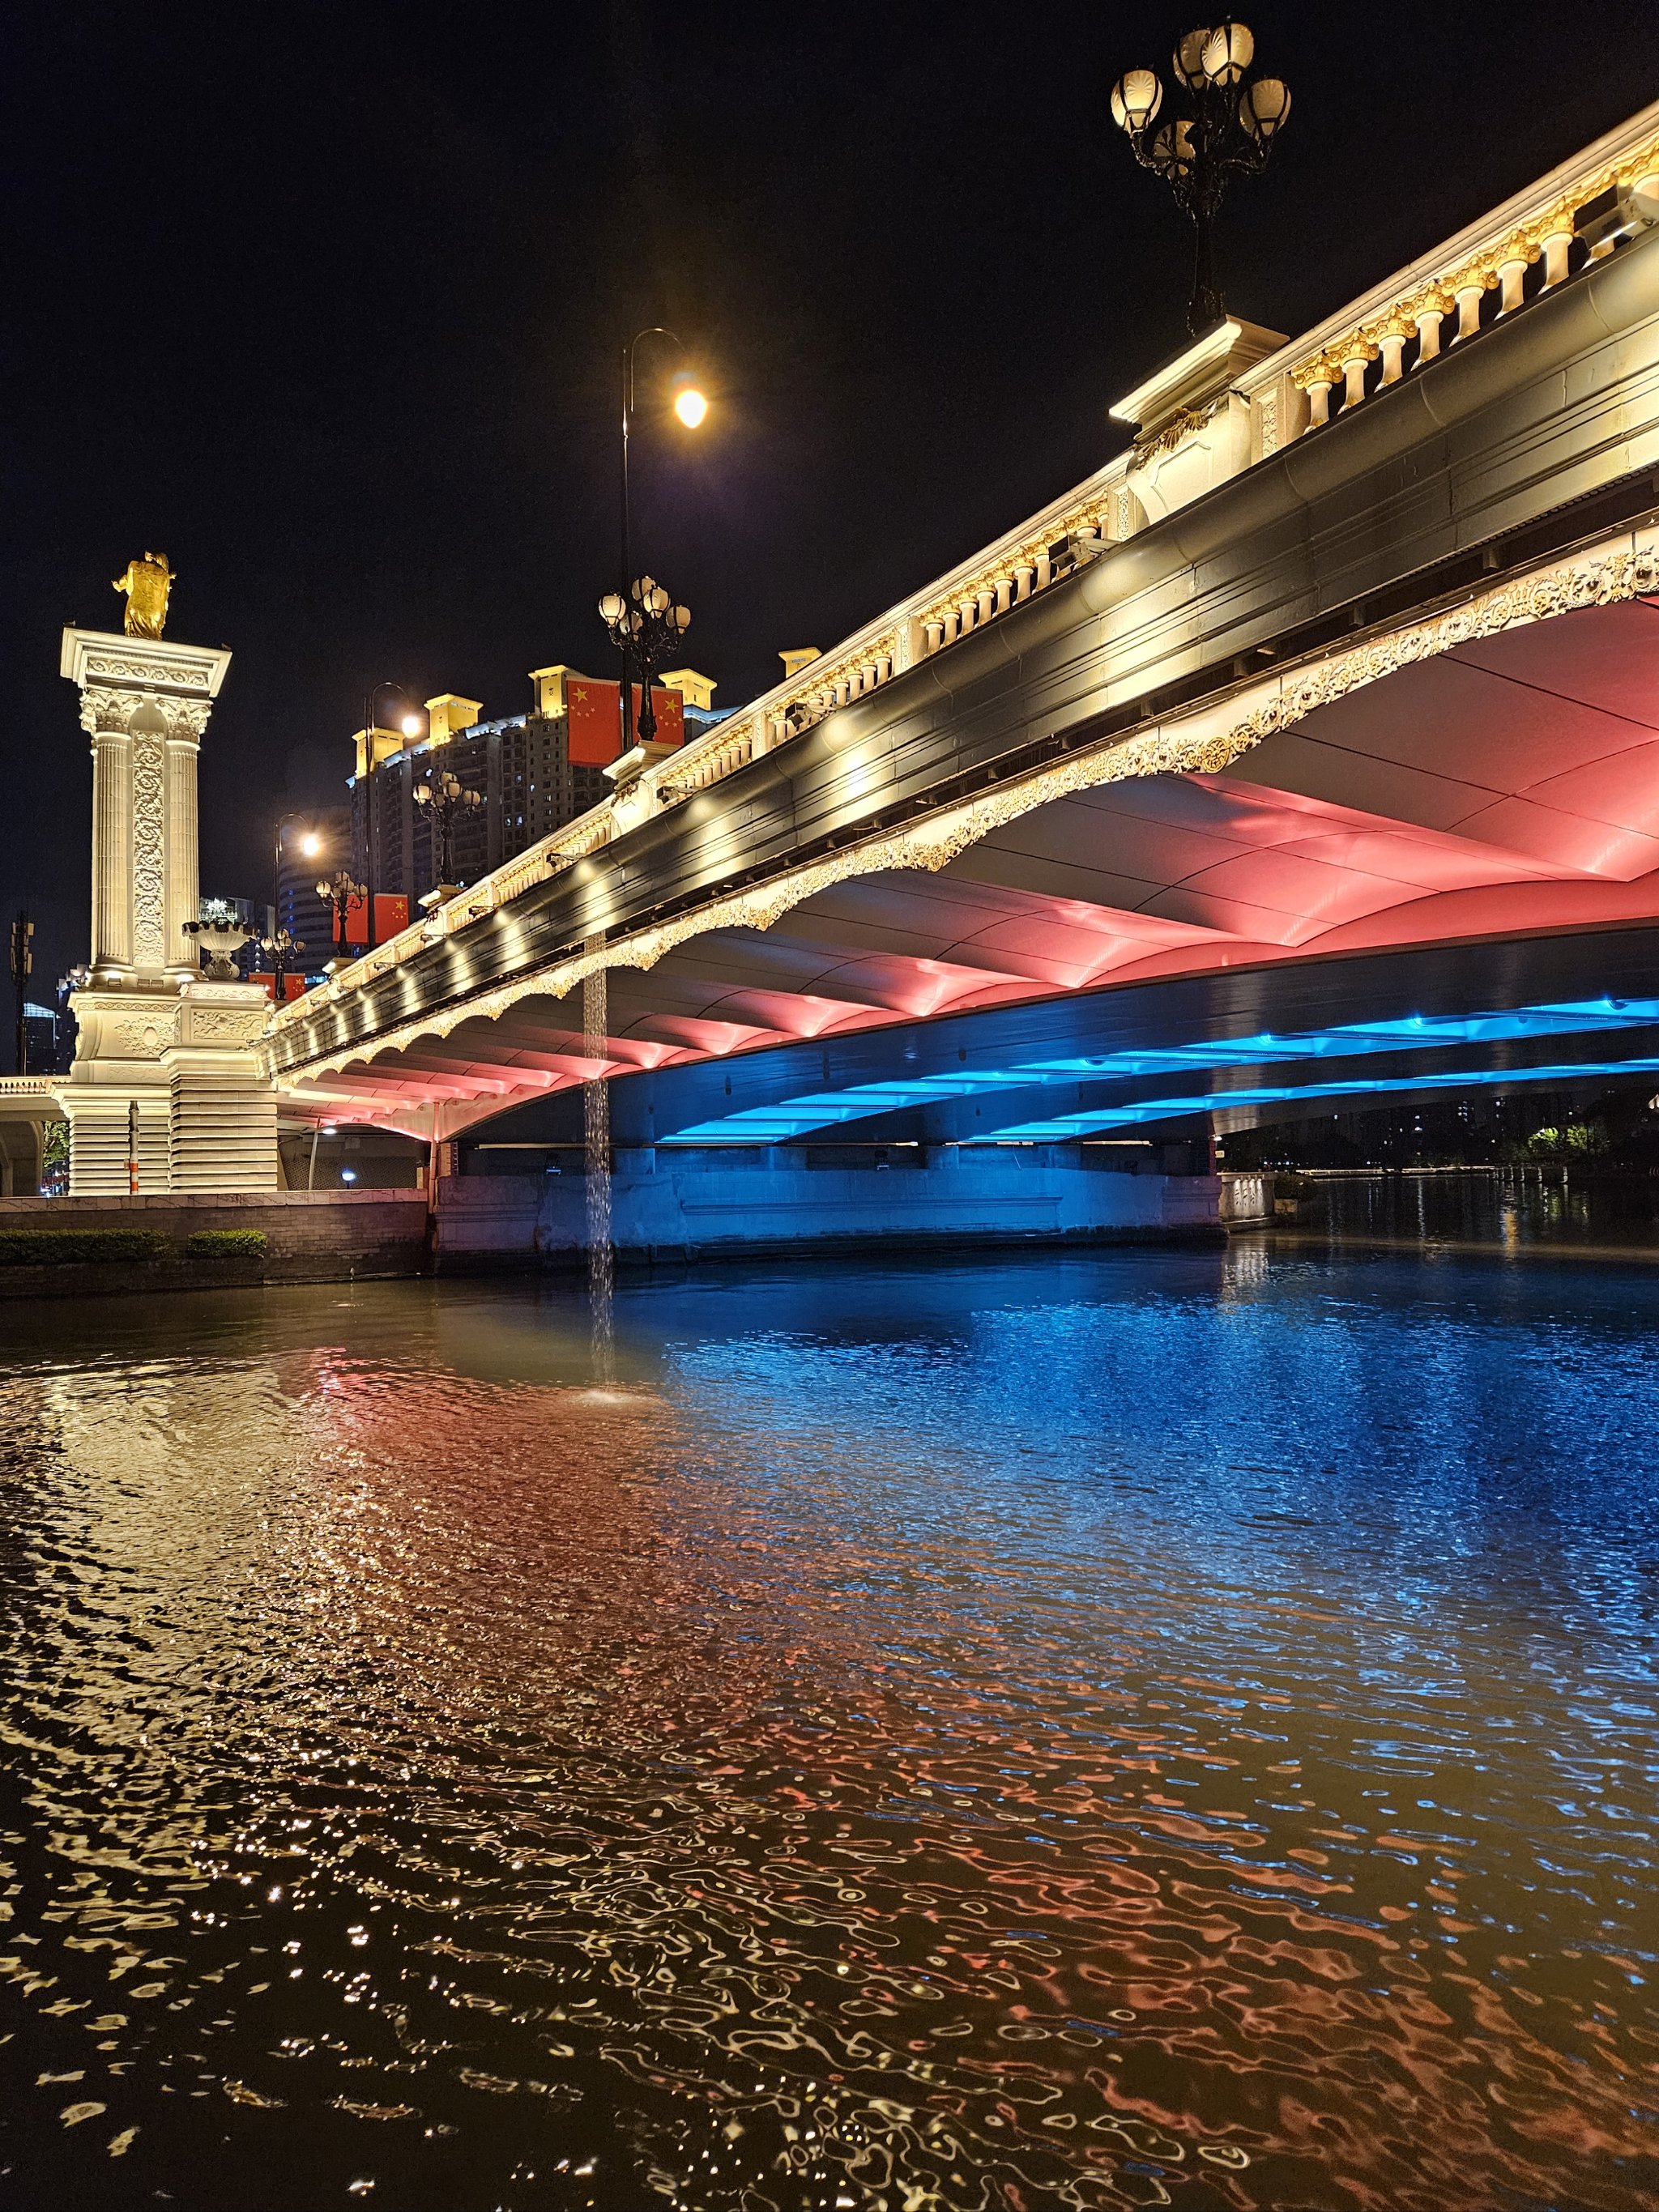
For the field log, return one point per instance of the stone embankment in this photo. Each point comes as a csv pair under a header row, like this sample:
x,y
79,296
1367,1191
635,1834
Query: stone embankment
x,y
310,1237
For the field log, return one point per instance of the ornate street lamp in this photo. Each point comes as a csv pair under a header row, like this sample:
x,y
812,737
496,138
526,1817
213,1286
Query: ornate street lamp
x,y
282,945
1230,130
338,890
647,625
690,405
443,797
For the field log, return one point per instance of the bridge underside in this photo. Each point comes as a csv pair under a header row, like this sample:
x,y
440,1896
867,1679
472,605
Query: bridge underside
x,y
1488,819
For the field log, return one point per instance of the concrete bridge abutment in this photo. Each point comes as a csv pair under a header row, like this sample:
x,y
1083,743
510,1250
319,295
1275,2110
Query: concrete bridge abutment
x,y
677,1203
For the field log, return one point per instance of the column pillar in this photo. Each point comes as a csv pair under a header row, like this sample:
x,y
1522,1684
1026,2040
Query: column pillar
x,y
182,896
112,836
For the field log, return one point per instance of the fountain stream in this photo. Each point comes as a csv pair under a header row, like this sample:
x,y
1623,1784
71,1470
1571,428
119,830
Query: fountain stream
x,y
596,1130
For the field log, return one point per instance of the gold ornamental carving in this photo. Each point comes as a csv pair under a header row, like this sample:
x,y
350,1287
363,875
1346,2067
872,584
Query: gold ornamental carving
x,y
146,583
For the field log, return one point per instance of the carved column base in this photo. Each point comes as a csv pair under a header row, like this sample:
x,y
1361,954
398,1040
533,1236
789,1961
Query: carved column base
x,y
170,1083
223,1121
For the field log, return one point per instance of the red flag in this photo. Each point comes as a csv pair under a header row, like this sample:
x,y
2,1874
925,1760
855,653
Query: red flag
x,y
390,915
593,729
293,986
670,710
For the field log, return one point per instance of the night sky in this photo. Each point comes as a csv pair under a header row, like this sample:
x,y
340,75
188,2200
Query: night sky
x,y
324,303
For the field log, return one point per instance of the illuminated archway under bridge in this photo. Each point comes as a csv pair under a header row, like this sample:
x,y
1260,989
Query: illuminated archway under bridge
x,y
1441,875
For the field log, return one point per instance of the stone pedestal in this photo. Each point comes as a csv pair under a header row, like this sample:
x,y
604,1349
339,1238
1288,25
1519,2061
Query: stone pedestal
x,y
166,1091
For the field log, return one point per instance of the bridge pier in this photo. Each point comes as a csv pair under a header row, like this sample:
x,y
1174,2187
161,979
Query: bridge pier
x,y
168,1092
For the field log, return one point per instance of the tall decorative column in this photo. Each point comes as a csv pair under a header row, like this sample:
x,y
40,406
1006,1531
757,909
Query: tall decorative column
x,y
166,1092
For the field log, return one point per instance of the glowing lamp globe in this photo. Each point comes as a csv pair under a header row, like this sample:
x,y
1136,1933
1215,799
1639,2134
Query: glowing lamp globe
x,y
690,405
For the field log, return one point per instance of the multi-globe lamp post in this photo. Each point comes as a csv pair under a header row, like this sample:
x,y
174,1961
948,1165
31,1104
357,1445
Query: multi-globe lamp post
x,y
642,616
338,890
444,799
647,625
1232,121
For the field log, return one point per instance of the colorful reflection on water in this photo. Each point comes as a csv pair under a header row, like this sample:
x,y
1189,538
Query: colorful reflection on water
x,y
1130,1729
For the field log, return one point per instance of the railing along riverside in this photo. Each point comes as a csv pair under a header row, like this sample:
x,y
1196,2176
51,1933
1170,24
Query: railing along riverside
x,y
1539,239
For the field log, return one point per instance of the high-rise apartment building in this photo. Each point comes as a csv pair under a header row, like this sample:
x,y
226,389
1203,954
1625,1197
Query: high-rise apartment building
x,y
521,767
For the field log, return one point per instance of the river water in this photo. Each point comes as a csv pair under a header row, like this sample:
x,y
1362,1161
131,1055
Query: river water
x,y
1123,1728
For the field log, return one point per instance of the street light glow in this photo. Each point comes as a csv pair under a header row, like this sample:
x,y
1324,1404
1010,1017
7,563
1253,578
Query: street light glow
x,y
311,844
411,725
690,405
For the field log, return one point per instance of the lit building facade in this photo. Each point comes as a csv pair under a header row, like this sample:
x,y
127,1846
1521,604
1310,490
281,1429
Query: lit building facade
x,y
521,767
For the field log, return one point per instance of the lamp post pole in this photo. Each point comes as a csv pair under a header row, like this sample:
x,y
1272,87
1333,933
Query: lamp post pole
x,y
1229,131
691,406
411,724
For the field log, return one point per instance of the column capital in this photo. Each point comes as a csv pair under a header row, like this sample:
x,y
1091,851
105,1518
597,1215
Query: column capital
x,y
154,665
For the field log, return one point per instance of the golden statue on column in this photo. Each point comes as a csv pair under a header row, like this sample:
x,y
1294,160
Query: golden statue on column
x,y
146,583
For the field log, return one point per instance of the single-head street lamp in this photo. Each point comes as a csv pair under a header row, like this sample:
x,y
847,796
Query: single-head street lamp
x,y
691,402
411,727
1229,132
690,405
307,844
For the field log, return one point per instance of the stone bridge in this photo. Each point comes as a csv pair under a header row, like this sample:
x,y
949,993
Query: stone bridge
x,y
1310,748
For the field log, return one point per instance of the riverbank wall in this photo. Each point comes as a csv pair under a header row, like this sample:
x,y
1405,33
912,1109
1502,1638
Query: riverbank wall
x,y
310,1237
668,1206
672,1205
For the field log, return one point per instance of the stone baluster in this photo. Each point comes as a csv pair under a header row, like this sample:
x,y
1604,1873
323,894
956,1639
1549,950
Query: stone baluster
x,y
1045,569
1004,594
1392,340
1555,235
1024,574
988,603
1516,256
1469,291
1430,311
934,634
966,610
1318,382
1357,357
948,625
883,667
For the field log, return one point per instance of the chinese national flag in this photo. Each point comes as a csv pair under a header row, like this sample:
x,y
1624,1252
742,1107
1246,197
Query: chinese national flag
x,y
670,709
390,915
593,731
293,986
